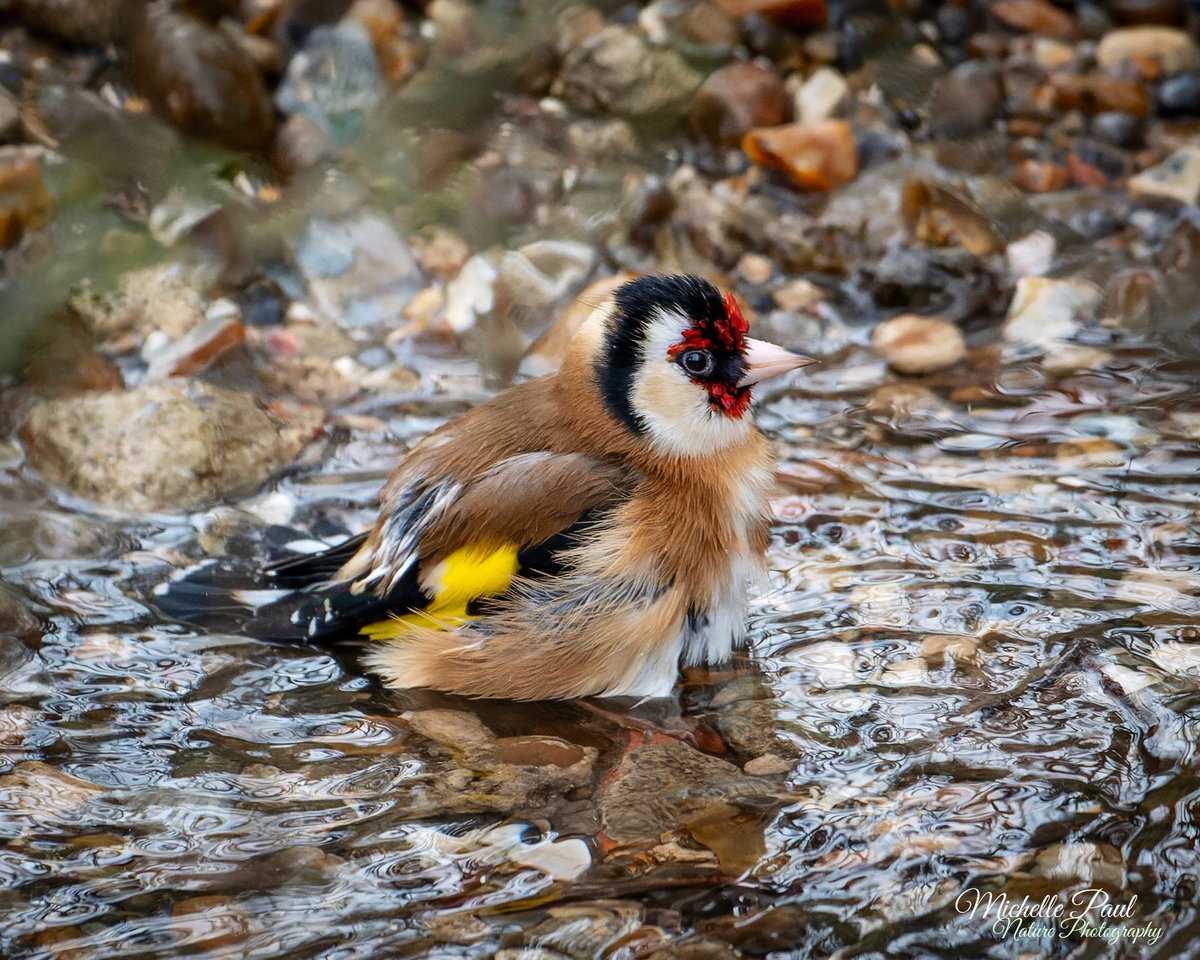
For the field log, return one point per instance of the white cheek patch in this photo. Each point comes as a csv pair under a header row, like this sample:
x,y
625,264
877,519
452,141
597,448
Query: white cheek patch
x,y
677,413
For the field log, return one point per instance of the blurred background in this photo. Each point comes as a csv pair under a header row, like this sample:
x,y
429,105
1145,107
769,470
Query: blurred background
x,y
250,250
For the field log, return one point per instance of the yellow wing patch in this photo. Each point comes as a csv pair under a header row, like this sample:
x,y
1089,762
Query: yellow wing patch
x,y
467,574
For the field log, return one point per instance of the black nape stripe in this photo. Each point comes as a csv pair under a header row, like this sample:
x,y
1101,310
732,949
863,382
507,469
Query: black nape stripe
x,y
635,305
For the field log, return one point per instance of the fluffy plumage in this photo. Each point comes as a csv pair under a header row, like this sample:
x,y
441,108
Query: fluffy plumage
x,y
580,534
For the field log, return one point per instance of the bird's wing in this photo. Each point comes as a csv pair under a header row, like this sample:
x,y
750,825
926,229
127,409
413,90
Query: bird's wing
x,y
440,546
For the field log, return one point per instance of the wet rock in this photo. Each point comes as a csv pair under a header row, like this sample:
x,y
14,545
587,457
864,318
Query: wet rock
x,y
96,22
262,303
1174,51
1180,96
200,79
301,144
158,299
735,99
798,14
1033,176
359,271
167,446
1119,129
1045,312
220,332
615,71
456,730
1036,16
472,294
821,96
915,344
1177,177
819,156
25,203
334,82
15,620
211,922
938,214
657,785
1097,93
1178,658
10,117
966,101
35,793
768,765
442,253
542,273
1032,255
754,268
1096,864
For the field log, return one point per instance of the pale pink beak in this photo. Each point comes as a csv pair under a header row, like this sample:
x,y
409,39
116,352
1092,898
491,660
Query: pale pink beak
x,y
765,360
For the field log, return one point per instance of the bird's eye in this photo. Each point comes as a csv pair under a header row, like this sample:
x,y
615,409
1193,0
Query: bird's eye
x,y
698,363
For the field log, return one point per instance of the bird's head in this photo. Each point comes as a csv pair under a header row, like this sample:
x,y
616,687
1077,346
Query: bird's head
x,y
674,365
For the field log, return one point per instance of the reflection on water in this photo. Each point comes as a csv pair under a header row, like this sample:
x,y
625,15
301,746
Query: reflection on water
x,y
977,666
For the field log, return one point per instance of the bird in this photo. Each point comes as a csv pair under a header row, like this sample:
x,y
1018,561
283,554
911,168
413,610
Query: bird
x,y
582,534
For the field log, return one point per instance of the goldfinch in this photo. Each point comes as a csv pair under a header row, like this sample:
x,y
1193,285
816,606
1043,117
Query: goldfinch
x,y
581,534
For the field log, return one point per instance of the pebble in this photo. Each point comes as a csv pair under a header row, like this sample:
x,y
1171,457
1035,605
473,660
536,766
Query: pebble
x,y
916,344
1180,96
615,71
25,202
817,156
334,81
1036,16
200,79
200,347
1032,255
1175,657
821,96
1177,177
768,765
1098,93
360,273
799,14
798,295
167,446
1035,176
1044,311
442,253
94,22
735,99
472,294
755,268
1174,51
1119,129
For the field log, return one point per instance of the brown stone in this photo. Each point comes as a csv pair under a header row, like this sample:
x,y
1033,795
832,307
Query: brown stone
x,y
1096,93
802,14
1033,176
735,99
25,203
201,80
817,156
538,752
916,344
1036,16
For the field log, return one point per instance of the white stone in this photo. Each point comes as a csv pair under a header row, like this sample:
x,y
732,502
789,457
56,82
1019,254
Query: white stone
x,y
1045,312
821,95
1174,50
1177,177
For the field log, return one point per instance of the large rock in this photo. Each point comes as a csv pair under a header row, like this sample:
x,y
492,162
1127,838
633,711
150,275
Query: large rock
x,y
164,446
201,80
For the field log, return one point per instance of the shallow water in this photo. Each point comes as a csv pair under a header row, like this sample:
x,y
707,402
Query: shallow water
x,y
976,667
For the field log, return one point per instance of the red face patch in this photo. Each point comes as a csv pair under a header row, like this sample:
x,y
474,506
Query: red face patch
x,y
723,336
